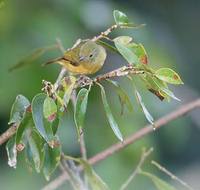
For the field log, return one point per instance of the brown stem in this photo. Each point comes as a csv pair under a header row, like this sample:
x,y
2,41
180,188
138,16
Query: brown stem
x,y
105,33
131,139
8,134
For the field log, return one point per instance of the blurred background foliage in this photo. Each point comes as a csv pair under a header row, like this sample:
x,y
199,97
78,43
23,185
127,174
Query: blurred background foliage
x,y
171,38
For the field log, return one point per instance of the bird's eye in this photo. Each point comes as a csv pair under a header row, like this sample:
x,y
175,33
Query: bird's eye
x,y
91,55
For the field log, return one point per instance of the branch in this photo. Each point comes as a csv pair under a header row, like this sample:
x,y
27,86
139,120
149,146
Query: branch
x,y
164,170
8,134
144,155
119,72
131,139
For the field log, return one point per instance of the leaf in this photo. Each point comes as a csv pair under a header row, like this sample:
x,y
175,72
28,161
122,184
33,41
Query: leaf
x,y
108,46
11,152
51,160
34,149
42,126
124,98
26,122
168,75
120,17
140,52
122,20
159,183
49,109
94,180
32,57
164,89
80,109
132,25
18,109
109,115
122,46
144,109
68,85
170,94
155,85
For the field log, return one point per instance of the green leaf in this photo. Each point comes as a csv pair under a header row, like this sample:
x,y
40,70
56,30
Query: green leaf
x,y
18,109
121,44
109,115
170,94
108,46
68,85
162,86
132,25
49,109
34,149
51,160
122,20
11,152
32,57
120,17
168,75
144,109
159,183
140,52
26,122
80,109
124,98
42,126
94,180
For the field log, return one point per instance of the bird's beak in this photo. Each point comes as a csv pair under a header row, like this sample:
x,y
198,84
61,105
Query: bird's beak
x,y
81,58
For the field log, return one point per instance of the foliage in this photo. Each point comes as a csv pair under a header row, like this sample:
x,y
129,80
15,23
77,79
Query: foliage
x,y
38,121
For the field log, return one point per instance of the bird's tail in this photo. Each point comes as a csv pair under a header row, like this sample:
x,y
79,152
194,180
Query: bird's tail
x,y
52,61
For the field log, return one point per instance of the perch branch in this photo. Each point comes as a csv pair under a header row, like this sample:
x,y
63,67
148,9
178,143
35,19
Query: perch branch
x,y
8,134
131,139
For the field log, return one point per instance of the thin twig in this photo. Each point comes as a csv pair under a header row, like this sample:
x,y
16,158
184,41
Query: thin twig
x,y
131,139
144,155
164,170
105,33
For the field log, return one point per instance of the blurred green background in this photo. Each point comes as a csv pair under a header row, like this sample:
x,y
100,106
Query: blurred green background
x,y
171,38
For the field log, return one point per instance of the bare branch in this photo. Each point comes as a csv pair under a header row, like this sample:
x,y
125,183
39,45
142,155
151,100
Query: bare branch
x,y
164,170
8,134
131,139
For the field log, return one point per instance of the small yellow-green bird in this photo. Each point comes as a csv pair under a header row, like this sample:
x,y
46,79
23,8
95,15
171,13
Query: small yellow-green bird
x,y
87,57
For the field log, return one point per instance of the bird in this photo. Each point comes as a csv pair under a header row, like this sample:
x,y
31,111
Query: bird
x,y
85,58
